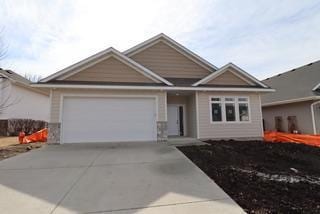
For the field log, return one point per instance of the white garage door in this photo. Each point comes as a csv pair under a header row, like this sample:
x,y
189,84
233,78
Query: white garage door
x,y
108,119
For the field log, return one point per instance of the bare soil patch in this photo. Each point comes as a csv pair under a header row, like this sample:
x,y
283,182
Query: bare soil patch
x,y
263,177
12,150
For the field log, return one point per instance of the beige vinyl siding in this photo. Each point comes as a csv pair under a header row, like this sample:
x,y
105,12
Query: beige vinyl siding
x,y
228,78
168,62
192,116
57,94
173,99
55,106
301,110
234,130
110,70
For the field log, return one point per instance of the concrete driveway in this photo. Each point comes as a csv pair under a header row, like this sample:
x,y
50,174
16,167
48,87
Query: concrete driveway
x,y
108,178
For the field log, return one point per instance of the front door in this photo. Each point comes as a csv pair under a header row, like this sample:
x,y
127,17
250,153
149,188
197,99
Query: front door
x,y
173,120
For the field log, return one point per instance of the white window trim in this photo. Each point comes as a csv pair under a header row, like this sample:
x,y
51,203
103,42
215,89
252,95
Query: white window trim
x,y
223,110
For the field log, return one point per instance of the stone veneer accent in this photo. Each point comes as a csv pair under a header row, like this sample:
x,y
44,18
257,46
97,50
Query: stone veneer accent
x,y
162,131
54,133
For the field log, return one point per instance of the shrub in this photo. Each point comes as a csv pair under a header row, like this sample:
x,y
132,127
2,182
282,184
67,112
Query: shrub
x,y
14,126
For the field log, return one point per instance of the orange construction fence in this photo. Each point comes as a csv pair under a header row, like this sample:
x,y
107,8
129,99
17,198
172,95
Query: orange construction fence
x,y
39,136
279,137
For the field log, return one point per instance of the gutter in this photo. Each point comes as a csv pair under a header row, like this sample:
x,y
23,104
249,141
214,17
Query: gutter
x,y
291,101
165,88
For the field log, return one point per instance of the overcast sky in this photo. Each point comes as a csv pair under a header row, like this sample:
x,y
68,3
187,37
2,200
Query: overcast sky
x,y
263,37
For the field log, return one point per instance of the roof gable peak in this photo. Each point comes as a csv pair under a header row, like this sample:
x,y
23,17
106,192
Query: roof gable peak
x,y
103,55
224,69
172,43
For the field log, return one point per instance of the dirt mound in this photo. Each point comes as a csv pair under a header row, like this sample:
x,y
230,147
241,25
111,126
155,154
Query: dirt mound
x,y
263,177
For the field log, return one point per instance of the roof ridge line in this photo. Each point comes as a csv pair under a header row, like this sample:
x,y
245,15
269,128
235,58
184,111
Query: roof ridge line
x,y
293,69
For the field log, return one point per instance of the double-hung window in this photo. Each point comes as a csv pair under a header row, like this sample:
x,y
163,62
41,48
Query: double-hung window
x,y
243,103
229,109
216,109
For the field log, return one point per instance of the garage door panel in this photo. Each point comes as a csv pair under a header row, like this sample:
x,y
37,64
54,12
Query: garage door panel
x,y
108,119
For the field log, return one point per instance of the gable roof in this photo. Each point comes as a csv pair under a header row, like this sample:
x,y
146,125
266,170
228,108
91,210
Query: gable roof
x,y
59,79
175,45
79,66
298,84
20,81
11,75
246,77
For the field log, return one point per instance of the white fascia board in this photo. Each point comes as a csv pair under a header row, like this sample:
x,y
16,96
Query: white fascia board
x,y
140,46
9,78
248,75
164,88
223,69
107,53
291,101
211,76
42,91
316,87
24,85
152,74
147,43
76,65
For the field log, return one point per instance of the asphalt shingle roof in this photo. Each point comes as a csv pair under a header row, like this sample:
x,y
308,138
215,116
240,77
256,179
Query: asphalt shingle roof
x,y
294,84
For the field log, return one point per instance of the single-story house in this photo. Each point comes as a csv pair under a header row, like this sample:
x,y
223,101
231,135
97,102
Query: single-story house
x,y
152,91
295,106
19,100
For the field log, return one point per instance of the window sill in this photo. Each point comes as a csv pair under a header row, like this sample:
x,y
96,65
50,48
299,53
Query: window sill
x,y
230,122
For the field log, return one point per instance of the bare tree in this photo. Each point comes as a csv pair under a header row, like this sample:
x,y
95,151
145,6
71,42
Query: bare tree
x,y
6,99
3,48
32,77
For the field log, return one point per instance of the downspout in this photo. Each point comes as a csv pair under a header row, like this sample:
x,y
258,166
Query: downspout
x,y
313,117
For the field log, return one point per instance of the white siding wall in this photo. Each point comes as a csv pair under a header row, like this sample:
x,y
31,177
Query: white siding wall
x,y
252,129
57,93
24,103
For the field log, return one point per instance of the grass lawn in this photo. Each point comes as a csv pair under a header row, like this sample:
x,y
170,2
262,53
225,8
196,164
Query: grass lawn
x,y
263,177
7,141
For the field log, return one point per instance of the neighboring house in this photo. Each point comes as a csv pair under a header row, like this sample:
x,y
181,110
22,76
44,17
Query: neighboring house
x,y
296,103
21,101
149,92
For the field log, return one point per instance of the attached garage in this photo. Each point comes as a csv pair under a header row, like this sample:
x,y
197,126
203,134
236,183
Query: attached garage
x,y
108,119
